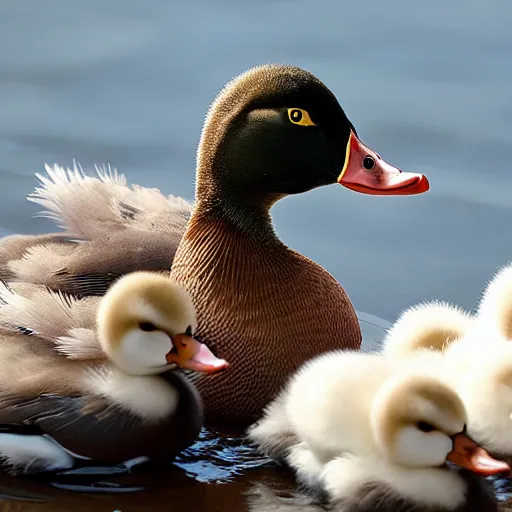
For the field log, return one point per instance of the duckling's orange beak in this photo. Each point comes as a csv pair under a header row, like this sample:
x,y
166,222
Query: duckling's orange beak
x,y
366,172
469,455
193,355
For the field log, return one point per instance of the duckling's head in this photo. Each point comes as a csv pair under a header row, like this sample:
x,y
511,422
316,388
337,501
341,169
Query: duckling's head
x,y
145,325
278,130
483,360
419,422
484,382
430,326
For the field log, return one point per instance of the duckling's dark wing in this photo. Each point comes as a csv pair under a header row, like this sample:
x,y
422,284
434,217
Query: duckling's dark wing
x,y
480,495
93,427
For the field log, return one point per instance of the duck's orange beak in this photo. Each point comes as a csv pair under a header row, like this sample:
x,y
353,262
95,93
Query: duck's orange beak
x,y
193,355
366,172
469,455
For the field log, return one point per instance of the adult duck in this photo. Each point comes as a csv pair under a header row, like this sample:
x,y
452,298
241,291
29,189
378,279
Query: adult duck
x,y
93,379
272,132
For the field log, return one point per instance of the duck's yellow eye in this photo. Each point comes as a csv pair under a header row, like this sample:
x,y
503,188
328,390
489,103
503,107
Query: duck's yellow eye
x,y
300,116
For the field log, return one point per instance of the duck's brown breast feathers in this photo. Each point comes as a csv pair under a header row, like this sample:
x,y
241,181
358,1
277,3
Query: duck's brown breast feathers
x,y
264,308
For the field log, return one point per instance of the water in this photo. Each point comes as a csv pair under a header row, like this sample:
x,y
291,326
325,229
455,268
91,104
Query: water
x,y
127,82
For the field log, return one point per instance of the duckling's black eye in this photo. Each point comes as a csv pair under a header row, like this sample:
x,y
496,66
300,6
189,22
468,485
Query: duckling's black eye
x,y
368,162
188,330
147,327
424,426
300,116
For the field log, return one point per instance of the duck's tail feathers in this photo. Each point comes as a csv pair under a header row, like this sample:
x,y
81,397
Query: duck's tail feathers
x,y
82,205
431,325
89,206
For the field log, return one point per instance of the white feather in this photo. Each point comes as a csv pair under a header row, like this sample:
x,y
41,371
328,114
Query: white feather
x,y
151,398
32,454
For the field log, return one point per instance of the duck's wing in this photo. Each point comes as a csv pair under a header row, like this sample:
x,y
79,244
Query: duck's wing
x,y
90,267
111,230
89,207
65,322
13,247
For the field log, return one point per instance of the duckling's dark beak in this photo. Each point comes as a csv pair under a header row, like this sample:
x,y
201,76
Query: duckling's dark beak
x,y
366,172
469,455
193,355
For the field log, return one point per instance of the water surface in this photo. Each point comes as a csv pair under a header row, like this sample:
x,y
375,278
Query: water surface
x,y
128,82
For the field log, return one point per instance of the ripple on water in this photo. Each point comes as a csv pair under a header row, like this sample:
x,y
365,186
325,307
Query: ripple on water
x,y
503,488
219,457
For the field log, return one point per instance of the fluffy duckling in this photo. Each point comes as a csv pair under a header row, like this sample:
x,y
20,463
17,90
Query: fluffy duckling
x,y
478,352
97,393
145,325
384,447
431,325
483,360
495,309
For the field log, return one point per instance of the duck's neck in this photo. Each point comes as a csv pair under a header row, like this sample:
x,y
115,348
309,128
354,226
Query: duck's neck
x,y
229,245
248,217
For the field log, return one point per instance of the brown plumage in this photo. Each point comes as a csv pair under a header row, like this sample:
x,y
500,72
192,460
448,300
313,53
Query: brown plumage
x,y
267,306
14,247
272,132
110,230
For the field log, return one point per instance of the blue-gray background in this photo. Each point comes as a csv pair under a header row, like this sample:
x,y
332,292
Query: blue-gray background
x,y
427,84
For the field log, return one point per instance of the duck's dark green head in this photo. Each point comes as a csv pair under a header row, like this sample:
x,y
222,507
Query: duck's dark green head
x,y
278,130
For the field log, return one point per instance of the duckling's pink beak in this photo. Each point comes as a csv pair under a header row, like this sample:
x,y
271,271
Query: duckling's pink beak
x,y
469,455
193,355
366,172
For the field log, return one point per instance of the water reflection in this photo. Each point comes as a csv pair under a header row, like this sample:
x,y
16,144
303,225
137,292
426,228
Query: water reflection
x,y
266,488
262,498
167,489
218,457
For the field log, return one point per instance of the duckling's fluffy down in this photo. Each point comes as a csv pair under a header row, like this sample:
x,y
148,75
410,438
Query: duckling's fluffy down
x,y
321,426
431,325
